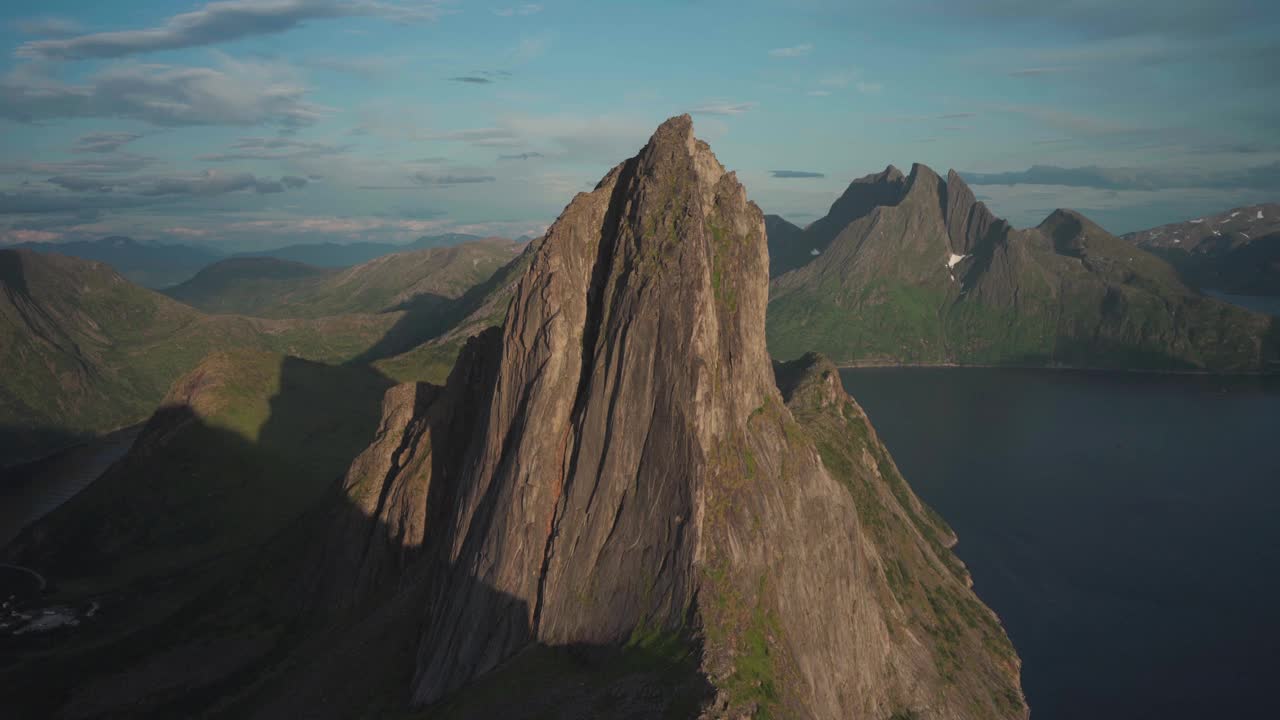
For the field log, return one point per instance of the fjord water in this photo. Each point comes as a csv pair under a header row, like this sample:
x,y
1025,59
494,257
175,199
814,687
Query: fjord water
x,y
1124,526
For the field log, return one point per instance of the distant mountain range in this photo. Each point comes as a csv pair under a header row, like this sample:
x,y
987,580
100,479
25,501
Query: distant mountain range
x,y
340,255
915,270
160,265
1236,252
153,265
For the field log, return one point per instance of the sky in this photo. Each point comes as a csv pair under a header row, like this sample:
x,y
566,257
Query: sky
x,y
254,123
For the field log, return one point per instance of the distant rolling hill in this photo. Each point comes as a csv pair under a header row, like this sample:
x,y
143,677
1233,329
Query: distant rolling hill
x,y
1235,252
84,350
153,265
340,255
160,265
915,270
274,288
479,308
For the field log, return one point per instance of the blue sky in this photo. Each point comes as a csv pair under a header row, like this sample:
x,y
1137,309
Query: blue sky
x,y
248,123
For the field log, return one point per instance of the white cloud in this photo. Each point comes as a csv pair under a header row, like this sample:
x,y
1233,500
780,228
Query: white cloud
x,y
794,51
103,142
868,88
722,107
233,93
49,26
276,148
519,10
219,22
529,49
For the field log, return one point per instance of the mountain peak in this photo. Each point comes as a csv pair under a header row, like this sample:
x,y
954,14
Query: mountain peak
x,y
922,173
1064,220
624,462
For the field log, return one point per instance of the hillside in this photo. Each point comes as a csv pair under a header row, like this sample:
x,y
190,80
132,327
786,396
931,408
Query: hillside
x,y
272,288
342,255
616,506
85,350
481,307
933,277
153,265
1236,252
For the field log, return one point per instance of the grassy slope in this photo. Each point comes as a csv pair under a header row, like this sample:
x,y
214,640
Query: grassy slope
x,y
266,287
86,351
481,307
244,286
1066,293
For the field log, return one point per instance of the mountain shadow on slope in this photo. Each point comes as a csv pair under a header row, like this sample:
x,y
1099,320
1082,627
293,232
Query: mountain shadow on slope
x,y
199,550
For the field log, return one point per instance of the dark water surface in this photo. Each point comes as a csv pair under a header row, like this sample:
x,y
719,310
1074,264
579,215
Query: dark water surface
x,y
1126,528
29,492
1267,304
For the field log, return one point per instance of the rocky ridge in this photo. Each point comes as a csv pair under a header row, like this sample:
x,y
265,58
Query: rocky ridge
x,y
618,461
933,277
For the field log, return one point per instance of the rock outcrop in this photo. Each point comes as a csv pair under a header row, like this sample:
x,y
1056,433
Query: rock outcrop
x,y
618,462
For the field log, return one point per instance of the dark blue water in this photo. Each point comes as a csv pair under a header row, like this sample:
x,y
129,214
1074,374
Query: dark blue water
x,y
1126,528
1266,304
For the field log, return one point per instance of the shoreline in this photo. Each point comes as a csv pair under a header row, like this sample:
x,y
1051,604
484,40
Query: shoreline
x,y
881,365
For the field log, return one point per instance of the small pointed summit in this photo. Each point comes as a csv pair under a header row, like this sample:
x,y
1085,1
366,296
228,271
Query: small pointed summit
x,y
863,195
969,222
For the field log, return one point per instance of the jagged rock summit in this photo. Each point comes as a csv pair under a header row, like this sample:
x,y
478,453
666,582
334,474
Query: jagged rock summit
x,y
618,462
927,274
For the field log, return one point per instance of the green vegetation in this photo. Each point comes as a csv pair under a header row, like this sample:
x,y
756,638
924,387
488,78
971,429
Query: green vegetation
x,y
1064,294
86,351
271,288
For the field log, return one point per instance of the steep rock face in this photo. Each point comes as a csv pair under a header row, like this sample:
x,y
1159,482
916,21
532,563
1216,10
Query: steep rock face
x,y
863,195
787,250
935,278
635,471
568,523
422,437
969,222
885,188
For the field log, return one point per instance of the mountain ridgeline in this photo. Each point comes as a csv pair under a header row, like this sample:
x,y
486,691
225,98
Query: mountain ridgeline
x,y
618,463
915,270
1236,252
89,351
616,506
275,288
85,350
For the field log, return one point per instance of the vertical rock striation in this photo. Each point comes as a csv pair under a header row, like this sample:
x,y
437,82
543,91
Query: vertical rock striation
x,y
620,461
